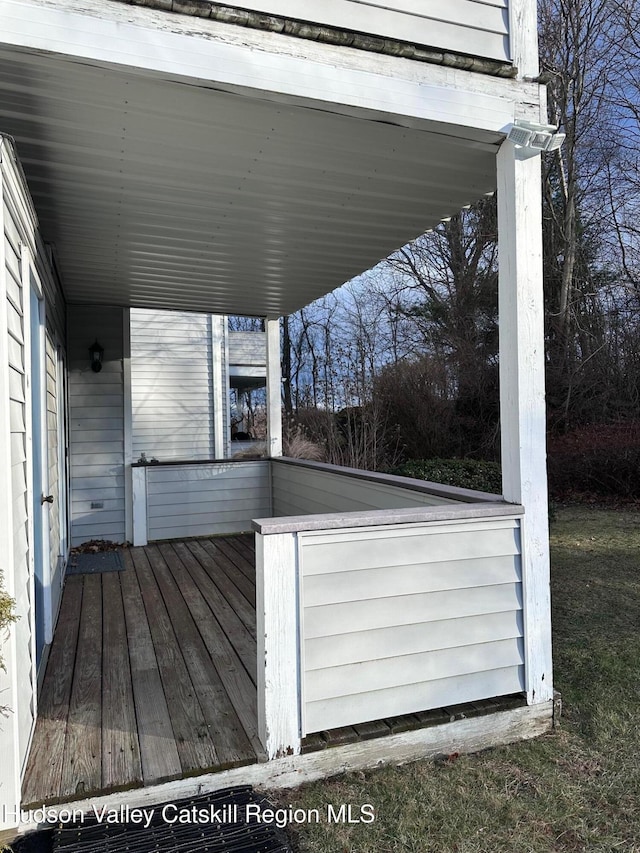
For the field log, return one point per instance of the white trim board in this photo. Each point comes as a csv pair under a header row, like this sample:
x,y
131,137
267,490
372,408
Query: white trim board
x,y
266,65
466,735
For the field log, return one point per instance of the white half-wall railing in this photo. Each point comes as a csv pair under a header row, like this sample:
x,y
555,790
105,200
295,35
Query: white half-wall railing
x,y
301,487
175,500
367,615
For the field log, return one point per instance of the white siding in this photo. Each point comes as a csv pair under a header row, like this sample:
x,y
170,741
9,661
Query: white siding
x,y
19,491
403,619
475,27
247,349
16,686
298,490
203,500
171,385
96,407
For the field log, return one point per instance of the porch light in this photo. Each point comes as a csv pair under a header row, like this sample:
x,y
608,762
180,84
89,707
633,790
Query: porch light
x,y
96,352
538,137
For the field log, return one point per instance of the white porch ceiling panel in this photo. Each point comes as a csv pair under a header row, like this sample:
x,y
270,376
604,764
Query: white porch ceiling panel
x,y
161,194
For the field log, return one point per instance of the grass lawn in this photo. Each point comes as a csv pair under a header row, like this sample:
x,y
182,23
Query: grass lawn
x,y
576,789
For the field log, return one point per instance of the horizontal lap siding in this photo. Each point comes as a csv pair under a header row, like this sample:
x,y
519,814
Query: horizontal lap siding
x,y
247,348
303,491
17,228
96,403
203,500
476,27
398,620
171,385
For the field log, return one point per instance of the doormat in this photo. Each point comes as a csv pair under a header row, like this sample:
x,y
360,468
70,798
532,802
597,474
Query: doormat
x,y
233,820
95,563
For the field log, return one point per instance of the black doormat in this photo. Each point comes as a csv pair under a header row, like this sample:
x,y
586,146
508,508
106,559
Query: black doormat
x,y
233,820
94,563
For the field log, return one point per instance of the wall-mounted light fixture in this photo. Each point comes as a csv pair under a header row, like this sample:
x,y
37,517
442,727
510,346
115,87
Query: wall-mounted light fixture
x,y
96,353
536,137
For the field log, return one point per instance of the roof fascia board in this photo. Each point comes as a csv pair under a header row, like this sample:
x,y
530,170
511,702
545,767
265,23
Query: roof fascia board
x,y
264,65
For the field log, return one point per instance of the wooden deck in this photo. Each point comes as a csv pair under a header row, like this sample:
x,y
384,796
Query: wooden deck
x,y
152,673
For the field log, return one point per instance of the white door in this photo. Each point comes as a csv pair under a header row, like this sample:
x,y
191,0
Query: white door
x,y
39,475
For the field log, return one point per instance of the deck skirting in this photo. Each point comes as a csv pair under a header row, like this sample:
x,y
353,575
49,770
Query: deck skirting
x,y
461,736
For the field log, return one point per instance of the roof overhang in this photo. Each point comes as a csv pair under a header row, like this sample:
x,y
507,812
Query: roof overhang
x,y
165,193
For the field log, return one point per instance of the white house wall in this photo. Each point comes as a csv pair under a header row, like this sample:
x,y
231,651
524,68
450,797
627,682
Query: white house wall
x,y
474,27
96,409
15,555
171,385
400,620
247,349
20,251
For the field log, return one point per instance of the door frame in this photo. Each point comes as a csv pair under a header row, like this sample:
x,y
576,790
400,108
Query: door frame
x,y
37,458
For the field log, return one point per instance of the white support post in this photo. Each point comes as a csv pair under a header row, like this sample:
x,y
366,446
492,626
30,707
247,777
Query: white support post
x,y
128,424
274,393
226,385
139,483
522,403
277,612
217,342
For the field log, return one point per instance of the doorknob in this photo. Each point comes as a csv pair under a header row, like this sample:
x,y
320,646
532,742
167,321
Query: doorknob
x,y
48,499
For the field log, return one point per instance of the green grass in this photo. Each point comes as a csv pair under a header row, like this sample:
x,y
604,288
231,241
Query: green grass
x,y
576,789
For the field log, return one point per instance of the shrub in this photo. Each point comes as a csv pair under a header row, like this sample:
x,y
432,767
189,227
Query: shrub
x,y
296,445
464,473
610,471
602,460
356,436
7,616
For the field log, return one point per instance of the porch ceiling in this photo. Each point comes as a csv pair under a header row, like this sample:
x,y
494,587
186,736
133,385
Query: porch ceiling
x,y
160,193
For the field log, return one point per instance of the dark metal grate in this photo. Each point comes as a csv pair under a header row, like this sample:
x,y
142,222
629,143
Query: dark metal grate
x,y
231,834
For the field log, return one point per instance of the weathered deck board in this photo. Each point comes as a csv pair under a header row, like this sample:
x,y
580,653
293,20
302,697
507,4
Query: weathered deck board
x,y
187,717
120,747
158,751
226,565
151,676
226,586
238,686
248,541
239,636
44,768
229,737
81,771
246,561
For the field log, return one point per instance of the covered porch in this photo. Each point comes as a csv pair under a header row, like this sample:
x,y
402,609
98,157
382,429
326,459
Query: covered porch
x,y
187,173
